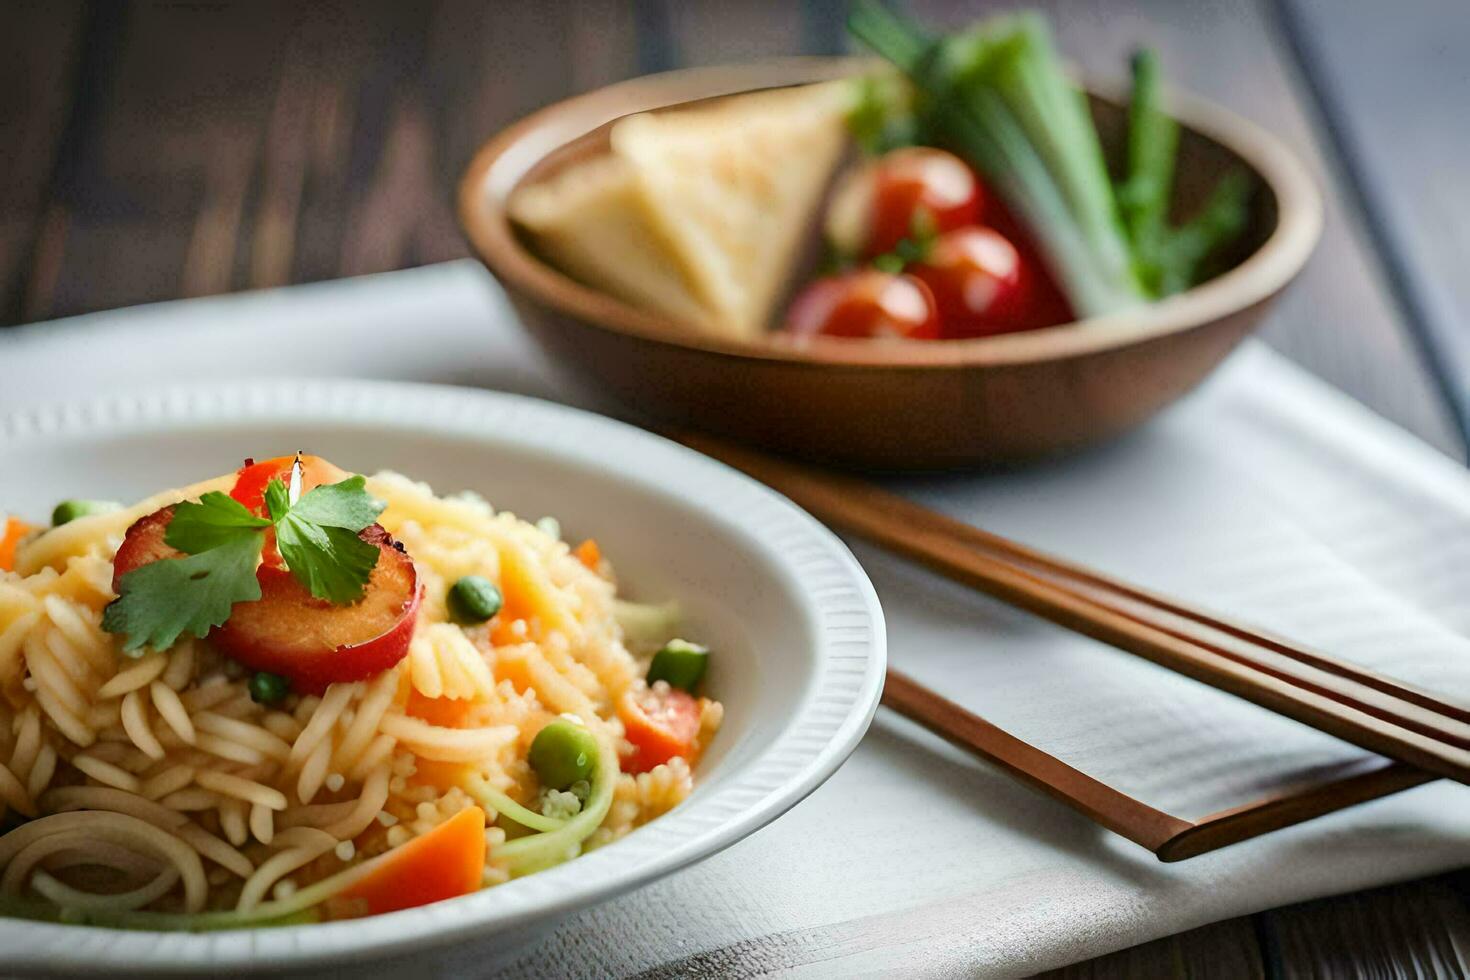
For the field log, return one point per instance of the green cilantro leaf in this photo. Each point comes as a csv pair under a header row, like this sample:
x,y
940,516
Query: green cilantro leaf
x,y
318,537
277,500
159,601
346,504
332,563
216,519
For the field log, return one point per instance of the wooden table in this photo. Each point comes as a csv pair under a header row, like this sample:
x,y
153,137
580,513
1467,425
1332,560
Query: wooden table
x,y
189,147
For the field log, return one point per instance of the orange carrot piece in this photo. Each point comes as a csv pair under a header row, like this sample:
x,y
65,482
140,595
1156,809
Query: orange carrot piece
x,y
588,553
440,775
513,669
444,712
503,634
446,862
10,534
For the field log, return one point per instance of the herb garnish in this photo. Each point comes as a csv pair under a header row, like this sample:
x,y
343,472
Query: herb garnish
x,y
316,536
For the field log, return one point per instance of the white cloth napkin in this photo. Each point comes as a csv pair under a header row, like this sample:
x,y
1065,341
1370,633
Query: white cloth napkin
x,y
1265,495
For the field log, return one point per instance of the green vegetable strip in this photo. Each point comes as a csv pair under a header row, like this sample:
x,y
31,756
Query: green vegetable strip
x,y
266,913
1153,140
889,35
526,854
492,798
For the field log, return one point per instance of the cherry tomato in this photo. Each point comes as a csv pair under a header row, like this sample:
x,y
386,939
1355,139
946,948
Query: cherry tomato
x,y
981,285
661,722
865,303
919,179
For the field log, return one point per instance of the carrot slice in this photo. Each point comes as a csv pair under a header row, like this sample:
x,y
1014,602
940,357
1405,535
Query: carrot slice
x,y
444,712
10,534
588,553
446,862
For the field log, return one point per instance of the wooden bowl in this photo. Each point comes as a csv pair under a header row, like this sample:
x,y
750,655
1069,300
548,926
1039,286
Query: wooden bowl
x,y
893,405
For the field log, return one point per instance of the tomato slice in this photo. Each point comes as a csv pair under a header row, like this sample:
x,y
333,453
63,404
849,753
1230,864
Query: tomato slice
x,y
143,543
252,478
661,722
290,632
867,303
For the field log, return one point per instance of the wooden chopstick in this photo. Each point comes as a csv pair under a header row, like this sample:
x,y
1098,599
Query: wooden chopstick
x,y
1344,700
1115,810
1171,838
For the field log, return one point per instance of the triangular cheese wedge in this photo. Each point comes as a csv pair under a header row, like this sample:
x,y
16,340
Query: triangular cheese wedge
x,y
734,188
698,213
590,221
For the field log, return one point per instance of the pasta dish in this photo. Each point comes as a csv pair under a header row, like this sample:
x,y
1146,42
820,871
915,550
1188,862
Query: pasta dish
x,y
294,694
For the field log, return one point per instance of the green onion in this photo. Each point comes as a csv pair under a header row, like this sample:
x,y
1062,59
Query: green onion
x,y
1222,218
1153,139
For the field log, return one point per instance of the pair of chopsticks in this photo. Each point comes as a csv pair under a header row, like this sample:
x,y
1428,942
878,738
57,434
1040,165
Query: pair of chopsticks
x,y
1344,700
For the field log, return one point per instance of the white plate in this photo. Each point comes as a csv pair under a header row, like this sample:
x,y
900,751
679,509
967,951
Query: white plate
x,y
796,624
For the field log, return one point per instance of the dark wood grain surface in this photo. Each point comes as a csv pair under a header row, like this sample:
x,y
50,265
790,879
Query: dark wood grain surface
x,y
186,147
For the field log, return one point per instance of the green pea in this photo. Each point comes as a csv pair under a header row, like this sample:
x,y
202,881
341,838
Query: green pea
x,y
473,599
563,753
70,510
681,663
268,688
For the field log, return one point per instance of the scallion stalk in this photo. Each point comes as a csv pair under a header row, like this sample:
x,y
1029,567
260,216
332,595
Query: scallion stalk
x,y
1153,140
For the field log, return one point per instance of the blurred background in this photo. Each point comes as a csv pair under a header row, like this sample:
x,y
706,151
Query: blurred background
x,y
176,148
